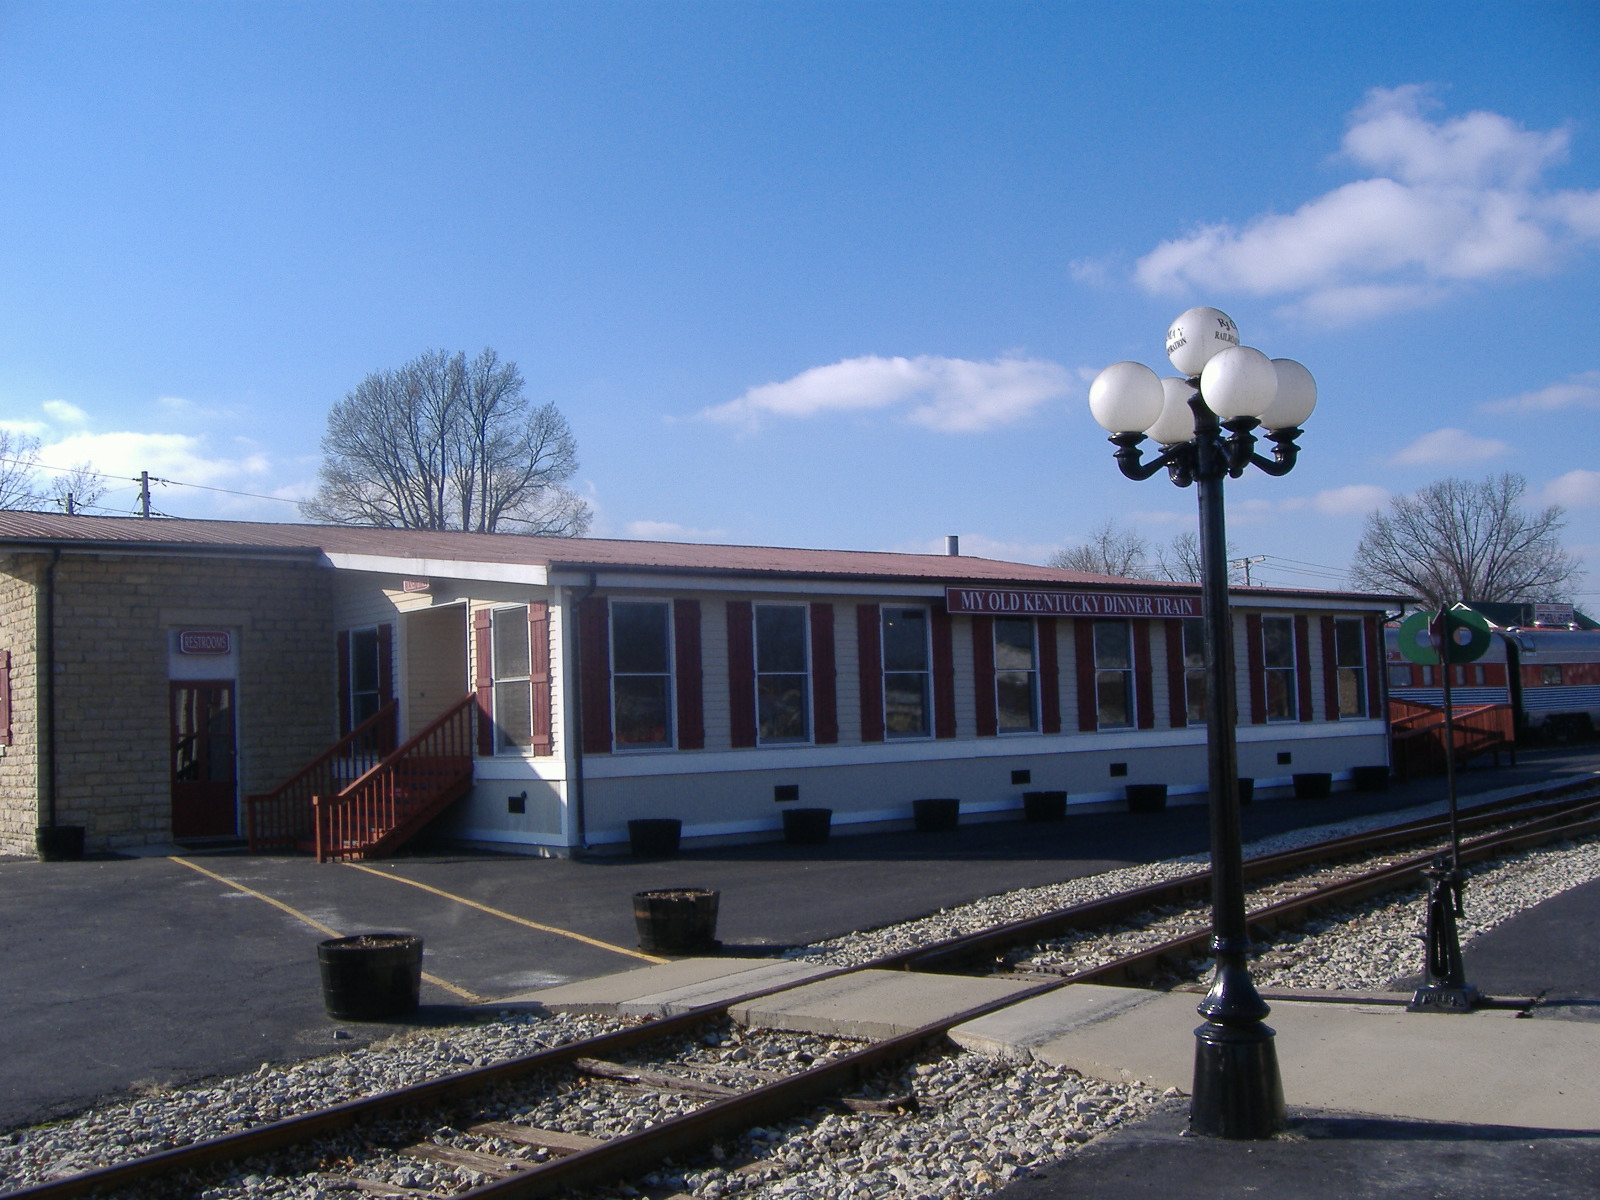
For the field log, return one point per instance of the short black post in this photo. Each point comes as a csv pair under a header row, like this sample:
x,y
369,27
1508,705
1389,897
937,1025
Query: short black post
x,y
1445,987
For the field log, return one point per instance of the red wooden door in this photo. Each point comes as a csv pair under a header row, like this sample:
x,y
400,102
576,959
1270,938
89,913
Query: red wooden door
x,y
204,773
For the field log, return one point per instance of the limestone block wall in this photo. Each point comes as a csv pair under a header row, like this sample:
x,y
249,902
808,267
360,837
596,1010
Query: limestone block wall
x,y
112,617
19,761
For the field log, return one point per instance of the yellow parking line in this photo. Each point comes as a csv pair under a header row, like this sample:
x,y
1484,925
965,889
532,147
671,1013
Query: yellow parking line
x,y
469,997
495,912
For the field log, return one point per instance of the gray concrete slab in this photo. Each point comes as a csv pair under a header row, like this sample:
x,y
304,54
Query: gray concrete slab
x,y
873,1005
1488,1068
672,987
1324,1156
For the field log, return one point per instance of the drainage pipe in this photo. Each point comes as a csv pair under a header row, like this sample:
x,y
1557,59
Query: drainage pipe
x,y
574,673
46,683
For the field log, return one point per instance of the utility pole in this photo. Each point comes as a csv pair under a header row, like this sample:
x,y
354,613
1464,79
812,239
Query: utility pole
x,y
1244,564
71,511
144,493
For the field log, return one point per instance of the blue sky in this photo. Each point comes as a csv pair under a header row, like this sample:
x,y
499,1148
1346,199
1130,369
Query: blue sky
x,y
812,274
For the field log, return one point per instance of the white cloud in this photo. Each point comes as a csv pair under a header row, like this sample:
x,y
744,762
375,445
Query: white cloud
x,y
1575,489
951,395
1352,500
1576,391
669,531
178,456
1447,447
1448,202
63,413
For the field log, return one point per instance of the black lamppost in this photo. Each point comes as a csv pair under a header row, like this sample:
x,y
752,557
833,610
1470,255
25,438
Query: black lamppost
x,y
1203,423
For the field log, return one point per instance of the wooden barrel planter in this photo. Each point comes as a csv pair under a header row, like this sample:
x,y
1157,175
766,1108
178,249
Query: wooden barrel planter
x,y
1370,779
936,816
1247,789
1147,797
807,826
58,843
1313,785
654,837
677,921
371,976
1044,806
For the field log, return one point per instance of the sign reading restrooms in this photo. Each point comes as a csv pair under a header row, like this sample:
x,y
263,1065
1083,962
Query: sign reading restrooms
x,y
1022,602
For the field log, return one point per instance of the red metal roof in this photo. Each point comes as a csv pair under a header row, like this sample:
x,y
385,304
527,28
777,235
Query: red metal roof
x,y
178,534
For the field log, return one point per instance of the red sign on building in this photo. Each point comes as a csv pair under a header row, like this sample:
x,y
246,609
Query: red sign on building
x,y
204,641
1018,602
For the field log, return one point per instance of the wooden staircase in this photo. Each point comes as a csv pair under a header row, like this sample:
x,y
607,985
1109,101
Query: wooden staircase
x,y
1416,732
281,818
379,812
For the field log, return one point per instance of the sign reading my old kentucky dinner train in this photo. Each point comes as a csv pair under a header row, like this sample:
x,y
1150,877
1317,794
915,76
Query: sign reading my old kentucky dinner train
x,y
1017,602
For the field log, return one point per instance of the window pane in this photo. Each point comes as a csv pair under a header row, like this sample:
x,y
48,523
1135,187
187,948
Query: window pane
x,y
1399,677
1114,695
513,714
1551,676
1352,692
363,705
1013,644
905,704
1194,642
782,708
1347,641
510,626
639,638
905,639
1195,685
1112,646
780,638
639,710
364,661
1280,696
1014,701
1277,636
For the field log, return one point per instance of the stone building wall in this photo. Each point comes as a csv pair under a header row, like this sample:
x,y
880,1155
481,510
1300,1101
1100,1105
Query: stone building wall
x,y
19,761
112,616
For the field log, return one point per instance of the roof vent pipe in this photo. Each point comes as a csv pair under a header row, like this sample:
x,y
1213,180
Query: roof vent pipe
x,y
952,545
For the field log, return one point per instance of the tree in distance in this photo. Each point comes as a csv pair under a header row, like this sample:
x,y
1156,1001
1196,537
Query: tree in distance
x,y
444,443
1463,540
1110,550
20,489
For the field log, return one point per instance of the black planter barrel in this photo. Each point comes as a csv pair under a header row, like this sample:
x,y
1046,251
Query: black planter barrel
x,y
1313,785
1044,806
654,837
1247,789
58,843
676,920
371,976
1147,797
936,816
807,826
1370,779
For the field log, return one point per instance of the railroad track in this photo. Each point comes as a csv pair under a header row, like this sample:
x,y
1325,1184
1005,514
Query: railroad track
x,y
498,1121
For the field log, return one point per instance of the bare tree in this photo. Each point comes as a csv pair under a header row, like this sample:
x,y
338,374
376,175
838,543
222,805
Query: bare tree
x,y
443,443
1462,540
76,489
19,460
1109,551
1179,560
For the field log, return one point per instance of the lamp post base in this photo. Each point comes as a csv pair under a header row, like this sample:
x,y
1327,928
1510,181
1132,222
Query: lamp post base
x,y
1238,1093
1442,997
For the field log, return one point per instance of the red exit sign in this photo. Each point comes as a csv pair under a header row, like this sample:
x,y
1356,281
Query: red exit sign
x,y
204,641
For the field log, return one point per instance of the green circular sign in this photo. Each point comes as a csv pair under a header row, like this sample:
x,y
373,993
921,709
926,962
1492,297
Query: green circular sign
x,y
1416,640
1466,634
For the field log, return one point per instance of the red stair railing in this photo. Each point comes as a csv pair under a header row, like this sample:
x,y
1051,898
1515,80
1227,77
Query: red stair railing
x,y
1417,732
282,817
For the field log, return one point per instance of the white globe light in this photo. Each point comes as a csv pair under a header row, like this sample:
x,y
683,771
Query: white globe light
x,y
1239,382
1176,422
1125,398
1297,396
1197,336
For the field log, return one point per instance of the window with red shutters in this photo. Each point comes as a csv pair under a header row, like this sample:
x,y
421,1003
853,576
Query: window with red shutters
x,y
1049,677
824,675
869,659
687,664
741,673
983,680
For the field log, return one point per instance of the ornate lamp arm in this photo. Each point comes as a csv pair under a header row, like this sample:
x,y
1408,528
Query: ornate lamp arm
x,y
1129,457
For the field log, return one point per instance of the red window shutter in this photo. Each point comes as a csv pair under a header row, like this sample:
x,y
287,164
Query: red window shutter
x,y
687,671
342,644
1143,676
1302,663
1177,676
1049,677
484,670
594,673
1330,670
824,677
539,675
385,663
1375,668
1083,656
944,674
869,655
1256,656
983,675
5,697
741,674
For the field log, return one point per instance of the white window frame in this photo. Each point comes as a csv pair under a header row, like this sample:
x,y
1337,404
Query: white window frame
x,y
1360,668
808,704
1130,681
671,676
1032,672
1292,671
496,679
927,672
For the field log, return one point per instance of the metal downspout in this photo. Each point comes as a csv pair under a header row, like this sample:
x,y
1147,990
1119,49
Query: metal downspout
x,y
574,673
47,690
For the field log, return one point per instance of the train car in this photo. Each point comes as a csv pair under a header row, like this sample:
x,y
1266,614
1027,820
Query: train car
x,y
1550,677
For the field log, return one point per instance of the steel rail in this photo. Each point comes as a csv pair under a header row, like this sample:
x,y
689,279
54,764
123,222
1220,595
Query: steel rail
x,y
693,1128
